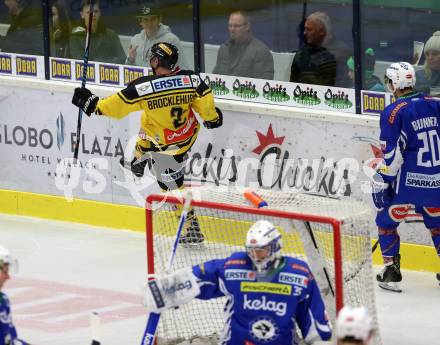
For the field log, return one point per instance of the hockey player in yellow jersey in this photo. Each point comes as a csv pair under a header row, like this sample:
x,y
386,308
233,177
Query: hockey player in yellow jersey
x,y
168,125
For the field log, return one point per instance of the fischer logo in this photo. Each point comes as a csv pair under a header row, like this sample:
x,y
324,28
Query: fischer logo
x,y
279,308
239,275
275,93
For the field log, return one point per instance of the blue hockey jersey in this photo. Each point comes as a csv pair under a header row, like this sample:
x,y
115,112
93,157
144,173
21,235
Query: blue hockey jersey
x,y
8,334
265,312
410,142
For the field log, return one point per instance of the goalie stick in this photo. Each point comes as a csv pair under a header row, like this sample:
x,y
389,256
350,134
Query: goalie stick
x,y
153,318
84,79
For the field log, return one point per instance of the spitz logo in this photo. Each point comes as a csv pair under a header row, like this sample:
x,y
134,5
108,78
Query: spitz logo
x,y
218,86
244,90
337,100
275,93
306,97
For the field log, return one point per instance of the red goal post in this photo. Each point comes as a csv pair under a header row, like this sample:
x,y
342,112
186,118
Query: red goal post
x,y
332,235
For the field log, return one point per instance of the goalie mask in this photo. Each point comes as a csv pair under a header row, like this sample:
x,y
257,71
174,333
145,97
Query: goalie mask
x,y
263,245
400,75
354,323
166,53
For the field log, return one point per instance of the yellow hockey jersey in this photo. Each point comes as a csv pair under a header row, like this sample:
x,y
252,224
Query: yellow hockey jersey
x,y
168,123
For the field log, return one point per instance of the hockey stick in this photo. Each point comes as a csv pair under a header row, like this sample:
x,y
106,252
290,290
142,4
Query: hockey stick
x,y
83,81
153,318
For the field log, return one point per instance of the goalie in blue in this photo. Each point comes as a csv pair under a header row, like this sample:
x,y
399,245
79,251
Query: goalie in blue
x,y
410,171
268,294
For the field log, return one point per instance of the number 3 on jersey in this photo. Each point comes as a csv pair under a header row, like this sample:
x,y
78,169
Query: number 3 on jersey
x,y
430,148
176,115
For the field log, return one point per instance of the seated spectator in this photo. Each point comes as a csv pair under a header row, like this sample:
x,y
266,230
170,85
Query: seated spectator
x,y
313,63
371,82
428,79
243,55
153,31
339,49
25,34
105,45
61,28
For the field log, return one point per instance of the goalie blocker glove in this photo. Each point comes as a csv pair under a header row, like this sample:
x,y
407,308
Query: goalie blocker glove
x,y
217,123
85,100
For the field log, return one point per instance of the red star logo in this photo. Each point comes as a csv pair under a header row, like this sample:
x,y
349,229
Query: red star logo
x,y
266,140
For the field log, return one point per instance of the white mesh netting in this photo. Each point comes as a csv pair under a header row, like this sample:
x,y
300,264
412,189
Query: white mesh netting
x,y
225,230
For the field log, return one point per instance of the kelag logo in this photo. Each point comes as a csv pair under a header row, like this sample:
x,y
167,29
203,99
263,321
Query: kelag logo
x,y
244,90
218,86
275,93
308,96
337,100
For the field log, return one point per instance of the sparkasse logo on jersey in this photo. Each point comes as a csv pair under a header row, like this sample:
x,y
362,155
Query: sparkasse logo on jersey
x,y
239,274
294,279
171,83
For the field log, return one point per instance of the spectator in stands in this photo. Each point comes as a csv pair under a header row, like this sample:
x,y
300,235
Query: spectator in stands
x,y
428,79
61,29
25,34
242,54
371,82
339,49
105,45
153,31
313,63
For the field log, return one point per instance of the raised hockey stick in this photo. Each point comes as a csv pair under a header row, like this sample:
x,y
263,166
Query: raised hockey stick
x,y
83,80
153,318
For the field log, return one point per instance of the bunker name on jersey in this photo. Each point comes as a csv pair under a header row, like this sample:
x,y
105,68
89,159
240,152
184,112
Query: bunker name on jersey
x,y
170,101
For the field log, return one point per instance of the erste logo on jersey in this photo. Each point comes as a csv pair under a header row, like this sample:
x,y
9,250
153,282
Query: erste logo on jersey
x,y
171,83
232,274
264,329
293,279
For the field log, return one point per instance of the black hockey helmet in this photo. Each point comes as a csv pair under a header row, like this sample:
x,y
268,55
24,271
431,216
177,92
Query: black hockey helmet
x,y
166,53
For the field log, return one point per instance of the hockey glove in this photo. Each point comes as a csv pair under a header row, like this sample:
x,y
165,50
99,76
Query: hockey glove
x,y
83,98
217,123
382,193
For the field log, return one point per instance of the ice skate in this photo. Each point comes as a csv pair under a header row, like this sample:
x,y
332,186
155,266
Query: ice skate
x,y
193,236
390,276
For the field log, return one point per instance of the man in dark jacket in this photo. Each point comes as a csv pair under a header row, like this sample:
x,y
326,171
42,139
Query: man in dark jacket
x,y
25,34
105,45
243,55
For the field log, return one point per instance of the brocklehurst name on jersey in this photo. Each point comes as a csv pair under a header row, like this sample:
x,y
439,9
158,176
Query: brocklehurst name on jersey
x,y
170,101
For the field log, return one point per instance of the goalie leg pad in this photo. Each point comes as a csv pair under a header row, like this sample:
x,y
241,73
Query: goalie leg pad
x,y
169,291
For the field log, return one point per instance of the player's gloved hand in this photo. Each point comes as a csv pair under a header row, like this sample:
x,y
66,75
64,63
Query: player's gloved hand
x,y
382,192
138,166
83,98
216,123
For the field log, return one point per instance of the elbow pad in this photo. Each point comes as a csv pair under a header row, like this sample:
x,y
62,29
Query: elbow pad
x,y
216,123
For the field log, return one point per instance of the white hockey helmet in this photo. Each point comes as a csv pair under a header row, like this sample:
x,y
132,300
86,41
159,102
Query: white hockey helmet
x,y
7,259
400,75
354,323
263,236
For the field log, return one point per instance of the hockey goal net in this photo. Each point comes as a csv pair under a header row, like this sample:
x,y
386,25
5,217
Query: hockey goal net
x,y
332,235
